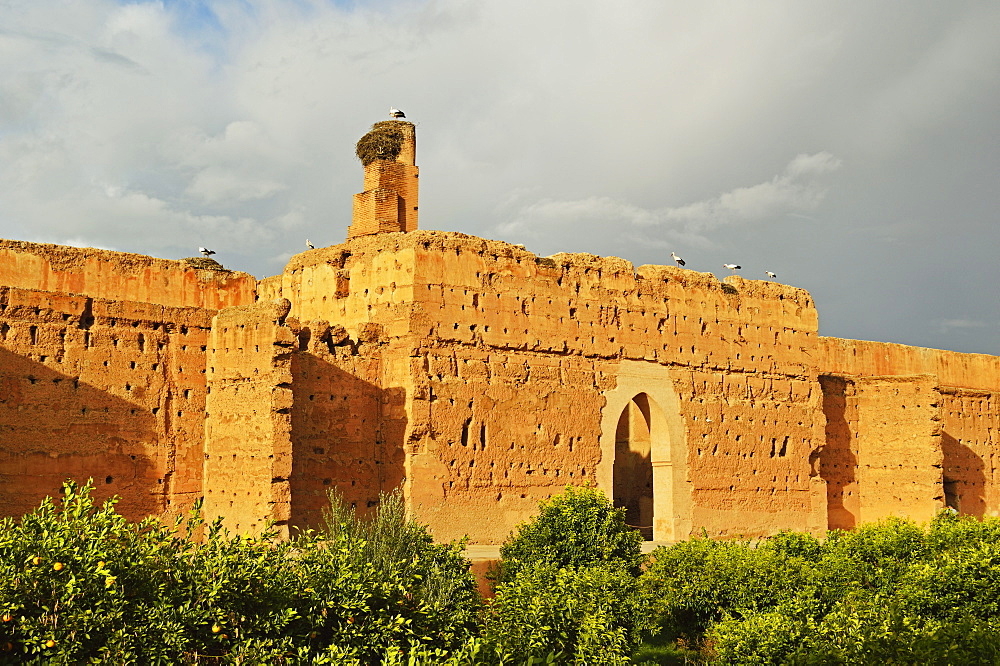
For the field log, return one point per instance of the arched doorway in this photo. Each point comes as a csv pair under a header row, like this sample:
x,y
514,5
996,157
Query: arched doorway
x,y
633,467
644,396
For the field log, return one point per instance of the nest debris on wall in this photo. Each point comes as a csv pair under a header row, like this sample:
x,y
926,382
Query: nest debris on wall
x,y
204,262
383,142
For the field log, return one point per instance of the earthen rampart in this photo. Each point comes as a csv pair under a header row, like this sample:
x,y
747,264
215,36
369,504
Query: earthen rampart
x,y
506,361
109,390
120,276
480,377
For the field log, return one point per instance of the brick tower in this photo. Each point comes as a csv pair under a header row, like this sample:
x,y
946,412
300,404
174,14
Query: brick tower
x,y
389,202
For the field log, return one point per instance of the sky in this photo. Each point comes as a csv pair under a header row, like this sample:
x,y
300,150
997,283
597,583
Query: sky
x,y
851,147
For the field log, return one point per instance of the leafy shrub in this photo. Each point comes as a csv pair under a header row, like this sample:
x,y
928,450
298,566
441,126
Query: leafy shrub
x,y
384,582
693,584
579,616
80,583
578,528
567,584
891,592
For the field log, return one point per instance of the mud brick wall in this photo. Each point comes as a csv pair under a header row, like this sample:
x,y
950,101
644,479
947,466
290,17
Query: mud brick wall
x,y
120,276
493,347
348,421
966,415
884,448
109,390
248,450
970,423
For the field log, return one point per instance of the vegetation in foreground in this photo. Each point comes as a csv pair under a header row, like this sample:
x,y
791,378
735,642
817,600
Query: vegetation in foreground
x,y
80,584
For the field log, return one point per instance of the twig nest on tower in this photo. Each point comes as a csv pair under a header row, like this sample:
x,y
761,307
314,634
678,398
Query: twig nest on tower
x,y
204,263
383,142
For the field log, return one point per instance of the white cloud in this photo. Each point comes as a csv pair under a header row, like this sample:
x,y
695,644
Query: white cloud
x,y
798,188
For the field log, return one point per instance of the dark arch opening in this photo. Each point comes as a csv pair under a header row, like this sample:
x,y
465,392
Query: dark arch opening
x,y
633,467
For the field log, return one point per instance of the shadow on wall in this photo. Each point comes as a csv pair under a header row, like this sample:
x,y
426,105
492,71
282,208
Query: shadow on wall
x,y
837,462
633,467
54,427
347,434
964,478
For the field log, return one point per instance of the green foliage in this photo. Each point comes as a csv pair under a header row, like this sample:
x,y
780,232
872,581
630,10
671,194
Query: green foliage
x,y
889,593
695,583
578,528
567,585
580,616
79,583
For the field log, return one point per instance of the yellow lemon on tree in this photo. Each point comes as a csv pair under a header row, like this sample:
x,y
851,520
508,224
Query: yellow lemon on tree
x,y
50,643
58,566
36,560
216,628
7,617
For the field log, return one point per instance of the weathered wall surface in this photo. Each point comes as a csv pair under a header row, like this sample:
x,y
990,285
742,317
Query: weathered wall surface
x,y
248,422
109,390
348,420
481,379
120,276
883,454
966,413
506,361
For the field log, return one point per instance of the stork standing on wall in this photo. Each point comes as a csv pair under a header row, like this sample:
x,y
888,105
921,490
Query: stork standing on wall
x,y
680,262
770,274
732,267
396,113
310,245
205,251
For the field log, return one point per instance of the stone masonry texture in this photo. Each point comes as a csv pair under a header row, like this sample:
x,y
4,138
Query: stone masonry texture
x,y
480,378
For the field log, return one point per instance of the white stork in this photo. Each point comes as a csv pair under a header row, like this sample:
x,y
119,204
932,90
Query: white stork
x,y
396,113
310,245
732,267
770,274
680,262
205,251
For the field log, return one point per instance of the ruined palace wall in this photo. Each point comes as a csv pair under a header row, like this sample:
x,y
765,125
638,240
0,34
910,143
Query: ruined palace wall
x,y
247,428
883,454
874,359
967,414
94,388
120,276
512,342
732,353
487,347
348,419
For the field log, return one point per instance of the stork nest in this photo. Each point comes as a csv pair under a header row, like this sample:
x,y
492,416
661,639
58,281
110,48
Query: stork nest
x,y
383,142
204,262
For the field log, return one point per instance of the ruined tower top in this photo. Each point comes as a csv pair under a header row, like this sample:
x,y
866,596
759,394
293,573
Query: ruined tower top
x,y
389,201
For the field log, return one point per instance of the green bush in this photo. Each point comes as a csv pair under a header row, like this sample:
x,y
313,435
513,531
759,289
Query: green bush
x,y
693,584
888,593
578,528
578,616
566,587
79,583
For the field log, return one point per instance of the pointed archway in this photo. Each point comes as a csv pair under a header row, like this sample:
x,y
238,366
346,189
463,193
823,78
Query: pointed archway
x,y
633,468
643,465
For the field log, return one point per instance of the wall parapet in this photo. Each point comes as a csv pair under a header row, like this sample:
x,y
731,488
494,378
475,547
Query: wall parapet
x,y
121,276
